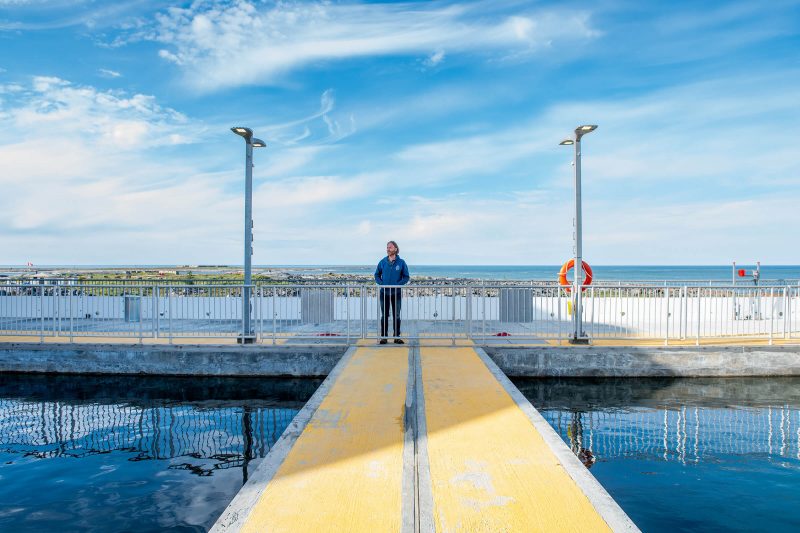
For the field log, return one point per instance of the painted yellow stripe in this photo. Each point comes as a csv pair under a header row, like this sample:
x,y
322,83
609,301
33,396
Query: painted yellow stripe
x,y
490,469
344,473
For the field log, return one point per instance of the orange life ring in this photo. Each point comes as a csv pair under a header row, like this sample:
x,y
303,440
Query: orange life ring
x,y
569,265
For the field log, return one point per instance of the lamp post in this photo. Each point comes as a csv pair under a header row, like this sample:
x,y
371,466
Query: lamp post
x,y
248,335
578,335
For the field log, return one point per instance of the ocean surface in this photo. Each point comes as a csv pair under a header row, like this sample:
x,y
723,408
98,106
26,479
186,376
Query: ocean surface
x,y
547,272
718,273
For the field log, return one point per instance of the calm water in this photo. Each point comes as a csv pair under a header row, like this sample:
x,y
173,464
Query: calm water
x,y
685,454
124,454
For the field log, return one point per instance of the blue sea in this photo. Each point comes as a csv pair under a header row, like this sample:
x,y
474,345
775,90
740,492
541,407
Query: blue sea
x,y
721,273
602,273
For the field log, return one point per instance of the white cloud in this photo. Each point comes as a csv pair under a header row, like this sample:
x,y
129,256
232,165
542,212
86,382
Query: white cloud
x,y
108,73
435,59
222,44
61,110
81,169
722,130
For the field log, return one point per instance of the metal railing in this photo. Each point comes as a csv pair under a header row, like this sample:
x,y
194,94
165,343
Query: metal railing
x,y
344,313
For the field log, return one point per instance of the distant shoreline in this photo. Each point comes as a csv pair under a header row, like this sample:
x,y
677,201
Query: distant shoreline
x,y
419,273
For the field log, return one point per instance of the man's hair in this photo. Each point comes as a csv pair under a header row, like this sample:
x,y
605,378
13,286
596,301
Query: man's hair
x,y
395,245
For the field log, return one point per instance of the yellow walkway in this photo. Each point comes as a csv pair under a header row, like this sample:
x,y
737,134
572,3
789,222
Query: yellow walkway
x,y
344,473
490,468
464,456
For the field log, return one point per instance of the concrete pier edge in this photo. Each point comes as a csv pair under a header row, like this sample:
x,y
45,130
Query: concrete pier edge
x,y
605,505
319,360
646,361
235,515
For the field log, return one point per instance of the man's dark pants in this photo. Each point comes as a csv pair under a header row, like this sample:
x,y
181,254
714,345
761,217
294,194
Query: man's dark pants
x,y
390,297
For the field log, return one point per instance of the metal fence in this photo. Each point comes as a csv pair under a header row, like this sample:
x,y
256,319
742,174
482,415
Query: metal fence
x,y
344,313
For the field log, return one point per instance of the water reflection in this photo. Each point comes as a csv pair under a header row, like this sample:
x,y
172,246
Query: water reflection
x,y
100,454
685,454
671,419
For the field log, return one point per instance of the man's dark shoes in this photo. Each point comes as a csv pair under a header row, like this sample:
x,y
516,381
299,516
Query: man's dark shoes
x,y
383,341
399,341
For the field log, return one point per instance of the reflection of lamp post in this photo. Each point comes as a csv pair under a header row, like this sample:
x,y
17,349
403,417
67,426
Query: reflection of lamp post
x,y
248,336
578,336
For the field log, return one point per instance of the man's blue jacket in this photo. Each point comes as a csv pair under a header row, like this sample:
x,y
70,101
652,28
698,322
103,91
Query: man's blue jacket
x,y
392,272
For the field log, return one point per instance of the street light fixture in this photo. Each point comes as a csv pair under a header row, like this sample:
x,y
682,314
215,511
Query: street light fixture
x,y
578,335
248,334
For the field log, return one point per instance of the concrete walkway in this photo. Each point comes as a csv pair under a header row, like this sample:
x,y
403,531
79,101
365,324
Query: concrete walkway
x,y
420,439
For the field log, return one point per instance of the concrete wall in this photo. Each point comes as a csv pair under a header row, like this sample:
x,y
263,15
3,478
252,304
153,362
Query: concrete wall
x,y
298,361
687,361
169,360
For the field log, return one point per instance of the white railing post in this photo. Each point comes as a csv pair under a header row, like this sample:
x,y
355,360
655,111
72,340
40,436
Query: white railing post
x,y
363,303
347,310
483,308
141,311
684,311
154,322
71,317
41,313
558,305
592,302
274,317
56,313
786,323
468,311
697,341
771,313
666,316
169,312
453,294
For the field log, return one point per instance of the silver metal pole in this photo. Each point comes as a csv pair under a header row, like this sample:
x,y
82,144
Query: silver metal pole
x,y
577,281
247,332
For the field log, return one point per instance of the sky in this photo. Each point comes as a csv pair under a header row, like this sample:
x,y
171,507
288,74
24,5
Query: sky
x,y
435,124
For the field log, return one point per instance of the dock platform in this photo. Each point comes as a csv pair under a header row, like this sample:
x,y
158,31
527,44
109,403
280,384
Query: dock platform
x,y
422,439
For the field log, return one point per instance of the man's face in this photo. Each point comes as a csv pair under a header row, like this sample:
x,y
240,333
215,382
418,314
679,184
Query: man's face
x,y
391,249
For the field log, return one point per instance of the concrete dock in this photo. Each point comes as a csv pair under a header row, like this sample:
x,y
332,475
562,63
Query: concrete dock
x,y
420,439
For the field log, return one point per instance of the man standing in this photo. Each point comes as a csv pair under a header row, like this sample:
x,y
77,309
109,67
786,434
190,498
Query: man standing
x,y
391,271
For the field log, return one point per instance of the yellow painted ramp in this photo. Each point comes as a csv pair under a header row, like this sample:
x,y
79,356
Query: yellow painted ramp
x,y
344,473
490,469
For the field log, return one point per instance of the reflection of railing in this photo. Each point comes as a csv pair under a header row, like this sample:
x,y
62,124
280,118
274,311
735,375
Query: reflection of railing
x,y
685,434
228,436
347,312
